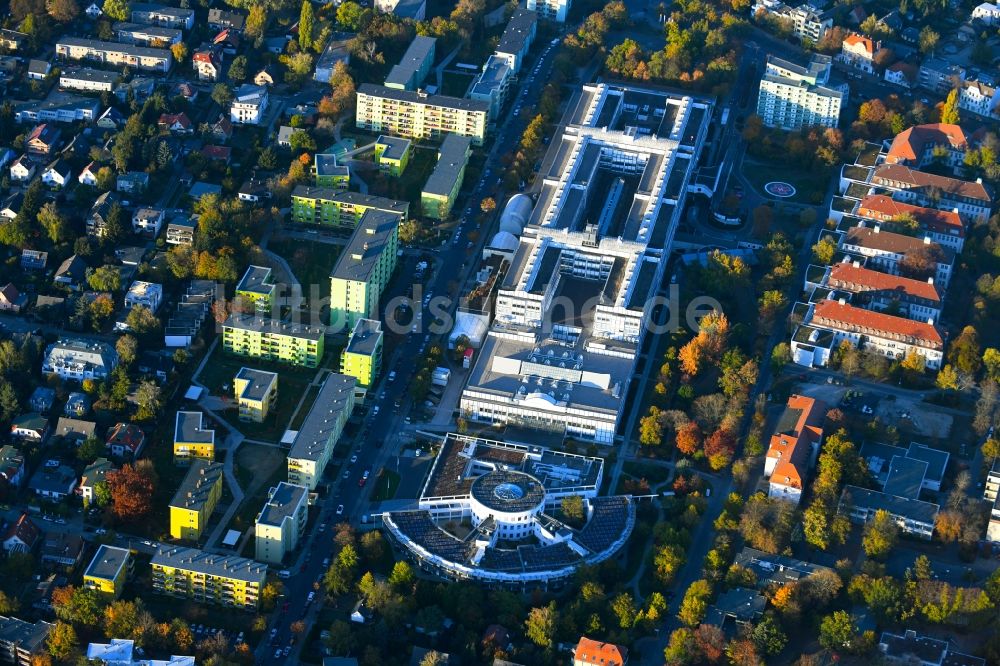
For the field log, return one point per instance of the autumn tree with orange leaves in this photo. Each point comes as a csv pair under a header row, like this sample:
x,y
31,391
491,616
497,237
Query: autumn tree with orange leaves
x,y
132,490
713,331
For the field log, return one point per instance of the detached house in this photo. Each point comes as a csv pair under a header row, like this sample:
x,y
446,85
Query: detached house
x,y
264,77
222,129
220,19
44,139
89,175
57,174
175,123
11,300
11,206
53,480
23,169
248,105
148,221
208,63
71,272
97,221
133,182
858,51
125,440
12,469
22,536
30,427
34,260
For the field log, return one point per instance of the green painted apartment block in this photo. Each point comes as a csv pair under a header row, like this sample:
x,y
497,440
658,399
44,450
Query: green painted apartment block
x,y
330,174
328,206
272,340
362,357
392,154
441,189
257,288
363,269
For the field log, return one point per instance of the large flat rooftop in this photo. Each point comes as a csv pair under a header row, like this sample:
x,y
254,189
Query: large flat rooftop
x,y
366,245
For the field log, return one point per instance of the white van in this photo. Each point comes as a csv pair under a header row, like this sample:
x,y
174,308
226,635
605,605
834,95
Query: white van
x,y
285,574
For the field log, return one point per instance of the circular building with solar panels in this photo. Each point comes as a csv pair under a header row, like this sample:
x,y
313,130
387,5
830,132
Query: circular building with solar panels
x,y
512,499
489,512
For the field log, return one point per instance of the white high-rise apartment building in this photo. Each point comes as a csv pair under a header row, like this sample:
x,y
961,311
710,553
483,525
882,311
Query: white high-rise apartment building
x,y
792,97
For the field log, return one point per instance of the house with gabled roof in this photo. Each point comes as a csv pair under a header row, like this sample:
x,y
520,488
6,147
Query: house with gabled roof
x,y
23,169
590,652
222,129
44,139
22,536
793,447
11,205
31,427
125,440
57,174
207,62
175,123
11,300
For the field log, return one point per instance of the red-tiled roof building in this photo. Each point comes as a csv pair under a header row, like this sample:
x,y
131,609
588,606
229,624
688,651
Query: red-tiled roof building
x,y
796,437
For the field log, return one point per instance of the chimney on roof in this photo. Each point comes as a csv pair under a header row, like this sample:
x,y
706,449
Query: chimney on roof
x,y
876,229
842,301
930,281
856,264
979,180
927,240
930,321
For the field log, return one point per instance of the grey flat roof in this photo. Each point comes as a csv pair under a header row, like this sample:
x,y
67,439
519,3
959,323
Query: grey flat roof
x,y
159,31
188,428
805,85
226,566
336,394
413,97
27,636
906,476
260,382
936,459
256,279
417,52
107,562
364,337
395,147
913,509
454,155
492,76
166,10
326,165
197,484
518,31
282,503
89,74
487,376
365,246
247,322
130,49
353,198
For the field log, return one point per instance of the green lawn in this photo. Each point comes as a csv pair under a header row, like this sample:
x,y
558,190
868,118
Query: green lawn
x,y
307,404
385,486
455,84
311,261
258,469
810,185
